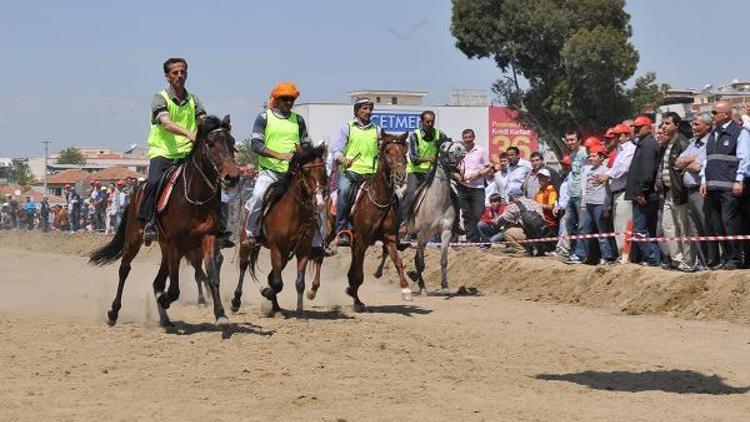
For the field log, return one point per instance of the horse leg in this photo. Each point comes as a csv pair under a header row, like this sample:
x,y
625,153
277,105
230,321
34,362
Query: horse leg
x,y
213,259
300,282
244,262
356,275
130,251
379,271
173,266
445,239
419,264
275,282
390,246
200,278
317,264
159,283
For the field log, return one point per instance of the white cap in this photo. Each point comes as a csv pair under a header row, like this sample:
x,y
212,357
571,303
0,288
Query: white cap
x,y
543,172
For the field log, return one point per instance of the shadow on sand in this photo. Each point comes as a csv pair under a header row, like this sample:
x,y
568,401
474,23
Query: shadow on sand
x,y
405,310
182,328
671,381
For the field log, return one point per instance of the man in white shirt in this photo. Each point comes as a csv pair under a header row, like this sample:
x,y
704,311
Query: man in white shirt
x,y
617,177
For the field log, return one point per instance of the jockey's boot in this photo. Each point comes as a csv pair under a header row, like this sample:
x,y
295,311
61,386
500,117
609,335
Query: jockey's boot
x,y
328,251
343,239
149,234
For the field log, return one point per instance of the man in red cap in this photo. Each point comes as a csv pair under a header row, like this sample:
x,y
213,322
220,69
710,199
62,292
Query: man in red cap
x,y
616,177
640,188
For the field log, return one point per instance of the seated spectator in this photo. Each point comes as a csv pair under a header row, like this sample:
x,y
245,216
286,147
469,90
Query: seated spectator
x,y
594,219
546,196
489,223
524,219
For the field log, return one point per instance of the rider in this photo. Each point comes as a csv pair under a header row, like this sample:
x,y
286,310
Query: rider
x,y
424,144
355,150
174,115
276,133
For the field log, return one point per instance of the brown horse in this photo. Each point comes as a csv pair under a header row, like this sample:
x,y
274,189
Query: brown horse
x,y
289,224
375,215
190,221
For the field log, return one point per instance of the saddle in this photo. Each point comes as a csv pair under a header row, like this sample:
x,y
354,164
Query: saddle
x,y
166,186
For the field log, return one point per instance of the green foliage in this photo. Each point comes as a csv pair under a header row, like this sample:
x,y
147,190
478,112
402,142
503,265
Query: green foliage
x,y
22,175
573,54
245,155
71,155
646,92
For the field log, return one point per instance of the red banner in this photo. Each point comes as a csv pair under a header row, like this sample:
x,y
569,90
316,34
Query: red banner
x,y
505,132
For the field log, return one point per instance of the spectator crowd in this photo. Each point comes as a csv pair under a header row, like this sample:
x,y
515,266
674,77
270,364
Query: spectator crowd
x,y
675,180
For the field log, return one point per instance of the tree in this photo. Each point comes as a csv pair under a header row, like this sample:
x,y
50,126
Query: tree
x,y
646,93
71,155
245,155
22,175
574,55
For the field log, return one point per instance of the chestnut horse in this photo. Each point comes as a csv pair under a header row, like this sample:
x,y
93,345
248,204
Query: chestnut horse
x,y
289,224
189,221
375,215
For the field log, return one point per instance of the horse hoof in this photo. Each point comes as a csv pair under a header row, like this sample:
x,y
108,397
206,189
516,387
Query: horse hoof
x,y
311,294
111,318
162,301
111,322
234,309
222,321
406,294
165,323
377,274
360,307
445,290
423,292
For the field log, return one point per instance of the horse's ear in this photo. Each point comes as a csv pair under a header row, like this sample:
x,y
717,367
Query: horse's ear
x,y
403,136
227,121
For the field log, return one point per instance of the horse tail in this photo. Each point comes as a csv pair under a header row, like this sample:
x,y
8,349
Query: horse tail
x,y
112,251
252,260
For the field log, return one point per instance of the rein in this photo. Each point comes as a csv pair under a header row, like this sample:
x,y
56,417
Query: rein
x,y
212,186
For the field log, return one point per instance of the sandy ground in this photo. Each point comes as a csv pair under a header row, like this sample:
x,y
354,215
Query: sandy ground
x,y
520,351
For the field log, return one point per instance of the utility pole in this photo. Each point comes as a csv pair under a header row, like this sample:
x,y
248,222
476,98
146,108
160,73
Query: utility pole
x,y
46,149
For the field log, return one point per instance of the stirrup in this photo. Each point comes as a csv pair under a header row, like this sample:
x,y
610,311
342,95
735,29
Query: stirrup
x,y
344,241
149,234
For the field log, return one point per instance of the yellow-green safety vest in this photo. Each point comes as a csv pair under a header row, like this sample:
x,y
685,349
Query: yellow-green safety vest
x,y
281,135
163,143
424,149
362,144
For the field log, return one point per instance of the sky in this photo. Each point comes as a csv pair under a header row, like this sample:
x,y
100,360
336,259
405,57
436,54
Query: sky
x,y
83,72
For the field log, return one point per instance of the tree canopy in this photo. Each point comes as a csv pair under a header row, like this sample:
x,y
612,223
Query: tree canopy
x,y
71,155
575,56
22,175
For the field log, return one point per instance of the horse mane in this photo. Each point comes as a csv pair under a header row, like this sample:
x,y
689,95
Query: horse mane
x,y
276,190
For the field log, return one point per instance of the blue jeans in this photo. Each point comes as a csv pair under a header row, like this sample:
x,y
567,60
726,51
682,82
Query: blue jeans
x,y
572,222
593,221
348,184
489,233
644,223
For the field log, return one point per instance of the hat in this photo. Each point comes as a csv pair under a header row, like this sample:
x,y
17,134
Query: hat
x,y
566,161
610,133
359,102
598,150
591,141
642,121
543,172
515,192
621,129
283,89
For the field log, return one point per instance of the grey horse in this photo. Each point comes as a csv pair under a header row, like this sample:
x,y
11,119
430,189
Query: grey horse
x,y
433,213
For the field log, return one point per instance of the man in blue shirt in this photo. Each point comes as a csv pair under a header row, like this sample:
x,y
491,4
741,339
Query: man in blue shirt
x,y
30,208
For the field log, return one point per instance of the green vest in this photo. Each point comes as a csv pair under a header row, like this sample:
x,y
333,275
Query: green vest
x,y
163,143
363,144
424,149
281,135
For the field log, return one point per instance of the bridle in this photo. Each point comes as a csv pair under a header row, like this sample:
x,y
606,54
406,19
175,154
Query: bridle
x,y
305,201
213,186
391,180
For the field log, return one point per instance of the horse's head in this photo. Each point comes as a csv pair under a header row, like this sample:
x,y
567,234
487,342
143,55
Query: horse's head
x,y
215,142
393,150
451,153
309,167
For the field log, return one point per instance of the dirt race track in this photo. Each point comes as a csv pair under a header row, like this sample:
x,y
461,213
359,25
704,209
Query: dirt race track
x,y
544,342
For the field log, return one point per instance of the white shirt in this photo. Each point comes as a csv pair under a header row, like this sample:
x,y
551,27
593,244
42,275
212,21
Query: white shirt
x,y
618,174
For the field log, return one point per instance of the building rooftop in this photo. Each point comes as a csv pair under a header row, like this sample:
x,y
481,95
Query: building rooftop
x,y
114,173
70,176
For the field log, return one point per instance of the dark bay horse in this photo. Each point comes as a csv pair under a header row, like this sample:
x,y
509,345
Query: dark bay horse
x,y
290,221
375,215
188,223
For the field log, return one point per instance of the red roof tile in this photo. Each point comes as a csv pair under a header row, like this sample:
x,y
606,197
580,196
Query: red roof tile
x,y
114,173
68,176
